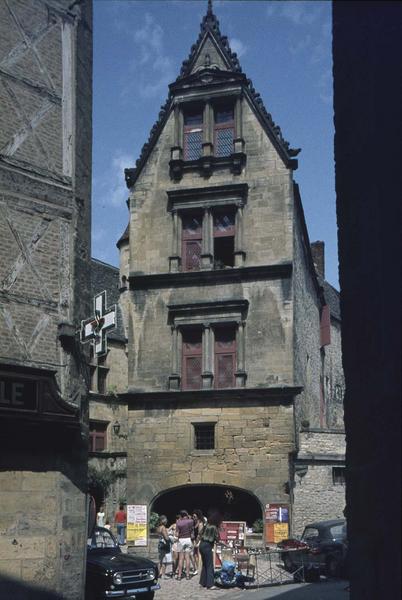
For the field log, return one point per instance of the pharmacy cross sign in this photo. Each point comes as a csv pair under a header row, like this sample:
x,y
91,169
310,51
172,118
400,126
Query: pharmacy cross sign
x,y
95,329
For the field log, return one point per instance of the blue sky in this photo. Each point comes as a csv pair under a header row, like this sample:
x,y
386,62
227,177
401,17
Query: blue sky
x,y
283,46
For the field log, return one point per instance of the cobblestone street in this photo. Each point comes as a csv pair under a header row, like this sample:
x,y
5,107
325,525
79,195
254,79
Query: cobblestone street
x,y
190,590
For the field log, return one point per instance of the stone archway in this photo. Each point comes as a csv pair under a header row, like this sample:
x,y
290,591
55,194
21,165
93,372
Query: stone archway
x,y
235,504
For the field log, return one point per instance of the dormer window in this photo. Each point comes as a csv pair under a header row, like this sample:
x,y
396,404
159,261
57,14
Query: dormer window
x,y
224,130
207,135
193,133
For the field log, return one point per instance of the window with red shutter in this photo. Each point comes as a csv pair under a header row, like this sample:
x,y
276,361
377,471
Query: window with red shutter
x,y
224,130
225,357
325,326
97,436
191,241
192,360
224,232
193,134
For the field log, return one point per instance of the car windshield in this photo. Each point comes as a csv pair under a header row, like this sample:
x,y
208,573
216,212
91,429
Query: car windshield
x,y
338,531
310,533
101,538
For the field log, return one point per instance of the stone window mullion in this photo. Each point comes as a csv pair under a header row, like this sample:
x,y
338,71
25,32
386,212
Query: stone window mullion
x,y
175,376
207,240
240,374
239,238
174,259
207,355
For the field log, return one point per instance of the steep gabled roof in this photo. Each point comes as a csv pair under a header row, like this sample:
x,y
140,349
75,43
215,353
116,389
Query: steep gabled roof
x,y
210,33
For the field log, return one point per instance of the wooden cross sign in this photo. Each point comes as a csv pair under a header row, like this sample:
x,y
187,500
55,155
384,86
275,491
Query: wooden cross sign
x,y
95,328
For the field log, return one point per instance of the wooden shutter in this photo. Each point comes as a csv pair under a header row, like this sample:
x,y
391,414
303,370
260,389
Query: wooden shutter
x,y
191,242
192,360
325,326
97,436
225,357
224,131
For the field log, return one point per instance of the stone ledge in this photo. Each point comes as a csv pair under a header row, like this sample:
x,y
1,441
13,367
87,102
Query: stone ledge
x,y
184,278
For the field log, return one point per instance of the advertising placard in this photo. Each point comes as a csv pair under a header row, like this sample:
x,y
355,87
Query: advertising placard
x,y
276,523
137,524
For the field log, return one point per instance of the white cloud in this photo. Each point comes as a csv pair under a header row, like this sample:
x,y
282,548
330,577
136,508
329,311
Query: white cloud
x,y
297,12
151,60
110,189
237,46
325,87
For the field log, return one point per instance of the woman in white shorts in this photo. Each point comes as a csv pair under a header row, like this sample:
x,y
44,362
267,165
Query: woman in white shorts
x,y
185,535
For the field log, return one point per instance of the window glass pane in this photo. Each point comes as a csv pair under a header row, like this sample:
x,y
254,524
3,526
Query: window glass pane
x,y
224,141
193,144
99,442
192,255
192,118
337,531
193,367
224,223
310,533
224,115
204,436
192,225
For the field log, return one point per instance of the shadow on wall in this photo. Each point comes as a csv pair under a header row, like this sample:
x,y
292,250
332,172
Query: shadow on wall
x,y
17,590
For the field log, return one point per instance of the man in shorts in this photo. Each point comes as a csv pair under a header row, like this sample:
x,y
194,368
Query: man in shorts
x,y
185,535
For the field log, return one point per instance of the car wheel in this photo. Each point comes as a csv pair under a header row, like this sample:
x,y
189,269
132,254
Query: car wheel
x,y
332,567
148,596
289,564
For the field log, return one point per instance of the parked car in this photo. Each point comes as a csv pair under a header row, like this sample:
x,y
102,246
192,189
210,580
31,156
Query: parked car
x,y
322,548
113,574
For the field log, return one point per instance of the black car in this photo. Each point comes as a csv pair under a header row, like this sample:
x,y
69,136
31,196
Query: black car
x,y
113,574
322,548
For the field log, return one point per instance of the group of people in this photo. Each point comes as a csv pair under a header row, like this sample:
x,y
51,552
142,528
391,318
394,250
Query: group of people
x,y
186,543
119,522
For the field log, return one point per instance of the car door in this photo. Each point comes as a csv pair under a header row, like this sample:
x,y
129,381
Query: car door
x,y
311,536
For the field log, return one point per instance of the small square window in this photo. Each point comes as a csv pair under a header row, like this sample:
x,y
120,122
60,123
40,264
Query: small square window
x,y
338,475
204,436
97,436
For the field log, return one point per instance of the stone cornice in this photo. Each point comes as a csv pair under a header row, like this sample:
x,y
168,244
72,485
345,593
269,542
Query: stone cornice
x,y
189,278
202,398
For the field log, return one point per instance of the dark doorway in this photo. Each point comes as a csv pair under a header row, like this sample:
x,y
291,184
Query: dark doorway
x,y
235,504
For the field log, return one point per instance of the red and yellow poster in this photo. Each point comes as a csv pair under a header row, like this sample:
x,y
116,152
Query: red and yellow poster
x,y
276,523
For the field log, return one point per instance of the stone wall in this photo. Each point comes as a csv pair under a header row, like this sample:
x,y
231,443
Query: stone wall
x,y
317,497
253,444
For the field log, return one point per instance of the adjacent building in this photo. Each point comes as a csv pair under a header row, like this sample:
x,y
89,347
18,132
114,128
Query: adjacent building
x,y
45,185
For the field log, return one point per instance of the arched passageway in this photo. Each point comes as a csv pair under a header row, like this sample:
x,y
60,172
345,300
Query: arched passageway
x,y
235,504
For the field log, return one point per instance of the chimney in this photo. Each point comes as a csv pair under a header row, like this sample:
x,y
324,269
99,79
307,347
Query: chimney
x,y
318,252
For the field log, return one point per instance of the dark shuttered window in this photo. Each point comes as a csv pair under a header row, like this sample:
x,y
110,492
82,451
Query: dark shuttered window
x,y
192,360
193,132
97,436
204,436
191,241
325,326
225,357
224,235
224,131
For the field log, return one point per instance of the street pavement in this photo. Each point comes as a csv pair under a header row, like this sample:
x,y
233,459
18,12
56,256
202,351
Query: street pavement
x,y
190,590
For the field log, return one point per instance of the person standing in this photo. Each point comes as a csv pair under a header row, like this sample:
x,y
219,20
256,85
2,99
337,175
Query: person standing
x,y
185,534
209,537
100,516
164,545
120,522
198,519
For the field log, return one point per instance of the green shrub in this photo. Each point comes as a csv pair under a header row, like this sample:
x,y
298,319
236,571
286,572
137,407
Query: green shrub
x,y
258,526
153,521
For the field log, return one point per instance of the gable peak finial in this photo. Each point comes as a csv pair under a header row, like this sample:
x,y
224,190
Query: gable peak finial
x,y
209,10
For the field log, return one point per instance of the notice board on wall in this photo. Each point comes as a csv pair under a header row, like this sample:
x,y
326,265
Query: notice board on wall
x,y
137,524
276,523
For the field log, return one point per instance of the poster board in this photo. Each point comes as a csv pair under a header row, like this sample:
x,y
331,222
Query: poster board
x,y
232,533
137,524
276,523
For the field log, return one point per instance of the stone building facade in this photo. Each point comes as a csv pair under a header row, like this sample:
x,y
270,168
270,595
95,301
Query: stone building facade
x,y
228,319
45,185
234,372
